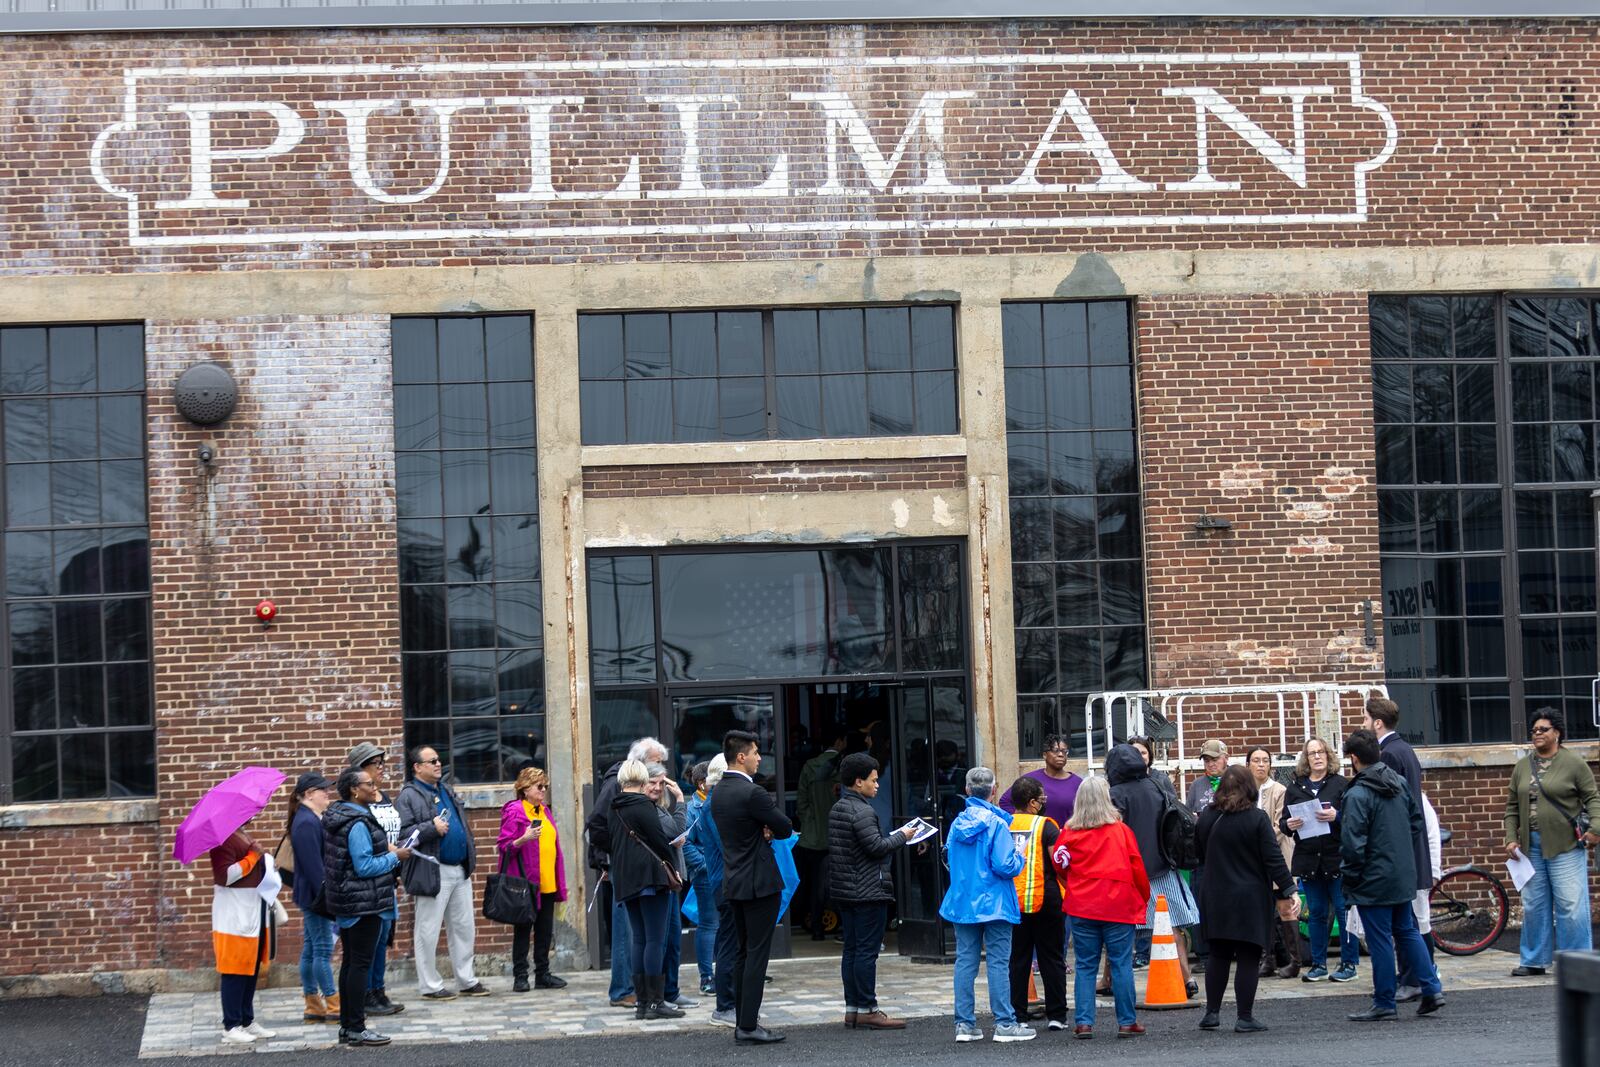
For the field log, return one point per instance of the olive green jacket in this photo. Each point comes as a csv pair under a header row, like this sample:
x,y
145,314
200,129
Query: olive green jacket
x,y
1570,783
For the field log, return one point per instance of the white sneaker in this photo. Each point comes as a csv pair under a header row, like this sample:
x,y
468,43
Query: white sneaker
x,y
256,1030
1058,1024
238,1036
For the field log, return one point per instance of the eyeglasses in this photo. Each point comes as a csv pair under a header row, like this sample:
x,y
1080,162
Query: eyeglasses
x,y
435,759
1055,752
1543,729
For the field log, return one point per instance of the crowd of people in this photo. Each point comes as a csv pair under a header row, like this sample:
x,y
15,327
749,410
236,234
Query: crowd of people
x,y
1055,862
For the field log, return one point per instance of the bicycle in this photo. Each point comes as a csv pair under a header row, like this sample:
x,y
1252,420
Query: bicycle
x,y
1469,908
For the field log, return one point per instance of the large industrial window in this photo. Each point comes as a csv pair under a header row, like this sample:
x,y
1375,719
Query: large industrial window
x,y
1076,549
471,641
1485,414
658,377
78,715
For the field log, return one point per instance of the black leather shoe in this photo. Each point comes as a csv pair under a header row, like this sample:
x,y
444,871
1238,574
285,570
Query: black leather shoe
x,y
549,981
1526,972
1430,1005
520,984
365,1037
1247,1025
1373,1015
378,1004
1209,1021
759,1036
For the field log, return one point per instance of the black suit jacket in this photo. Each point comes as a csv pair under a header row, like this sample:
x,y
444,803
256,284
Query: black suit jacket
x,y
1394,751
741,809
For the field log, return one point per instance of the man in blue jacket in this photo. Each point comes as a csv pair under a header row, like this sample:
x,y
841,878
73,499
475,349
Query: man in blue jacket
x,y
982,905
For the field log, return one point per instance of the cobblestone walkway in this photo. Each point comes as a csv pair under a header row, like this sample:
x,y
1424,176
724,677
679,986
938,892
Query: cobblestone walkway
x,y
802,993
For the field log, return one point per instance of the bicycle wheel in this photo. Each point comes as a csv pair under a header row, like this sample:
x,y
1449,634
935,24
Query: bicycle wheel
x,y
1468,910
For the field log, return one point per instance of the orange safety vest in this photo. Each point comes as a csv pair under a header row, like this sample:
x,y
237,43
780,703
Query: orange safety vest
x,y
1027,831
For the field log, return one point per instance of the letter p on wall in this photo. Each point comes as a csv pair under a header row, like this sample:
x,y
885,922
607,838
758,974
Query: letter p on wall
x,y
203,152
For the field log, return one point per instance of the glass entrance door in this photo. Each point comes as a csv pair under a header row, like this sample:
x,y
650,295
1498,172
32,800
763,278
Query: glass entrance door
x,y
927,780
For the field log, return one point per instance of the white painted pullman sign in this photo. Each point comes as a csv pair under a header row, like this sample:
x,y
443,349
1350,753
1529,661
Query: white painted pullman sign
x,y
844,159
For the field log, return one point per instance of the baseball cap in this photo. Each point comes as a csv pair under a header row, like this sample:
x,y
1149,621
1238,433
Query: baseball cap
x,y
311,780
1212,749
364,753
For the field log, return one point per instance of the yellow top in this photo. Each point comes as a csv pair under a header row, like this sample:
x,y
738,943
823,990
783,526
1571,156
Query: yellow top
x,y
547,845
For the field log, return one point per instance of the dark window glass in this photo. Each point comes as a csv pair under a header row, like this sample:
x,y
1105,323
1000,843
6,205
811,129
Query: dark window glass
x,y
79,723
466,487
622,633
1078,575
749,375
1495,611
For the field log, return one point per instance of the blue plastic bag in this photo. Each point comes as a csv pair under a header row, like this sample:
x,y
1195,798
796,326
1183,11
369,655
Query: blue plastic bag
x,y
783,851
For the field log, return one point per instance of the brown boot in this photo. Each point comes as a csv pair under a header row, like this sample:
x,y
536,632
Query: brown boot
x,y
850,1018
316,1009
877,1020
1291,948
333,1008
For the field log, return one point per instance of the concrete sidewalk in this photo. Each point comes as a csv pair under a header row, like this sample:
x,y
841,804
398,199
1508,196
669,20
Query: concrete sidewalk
x,y
804,992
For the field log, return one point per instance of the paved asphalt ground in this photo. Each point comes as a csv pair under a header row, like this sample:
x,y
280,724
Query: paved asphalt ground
x,y
1477,1028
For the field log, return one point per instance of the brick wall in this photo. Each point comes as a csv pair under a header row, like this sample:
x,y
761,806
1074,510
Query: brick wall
x,y
1493,143
298,507
720,479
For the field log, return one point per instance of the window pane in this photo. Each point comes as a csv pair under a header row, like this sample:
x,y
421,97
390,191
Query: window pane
x,y
72,359
471,610
461,354
80,697
1530,392
742,404
75,495
842,343
472,684
1573,447
1391,338
132,769
417,484
794,339
800,407
1577,588
34,769
1073,519
1486,648
1479,454
516,548
467,549
424,679
739,344
521,681
621,619
1535,520
649,410
519,614
1122,649
1066,334
127,696
933,334
844,405
930,608
1112,398
1025,399
73,427
1394,455
77,562
1080,666
463,415
27,435
1436,454
936,402
889,404
27,494
1433,392
1122,593
1541,648
1430,327
1397,519
415,346
1071,463
78,631
466,483
1475,393
511,414
888,338
1067,398
1391,392
1030,529
1108,333
29,571
23,360
1475,329
33,634
508,346
1076,596
1483,582
1114,466
122,489
1572,390
83,766
1036,661
618,718
695,410
1021,335
422,617
599,347
127,623
33,699
1033,594
1026,464
600,405
1437,521
694,344
1119,527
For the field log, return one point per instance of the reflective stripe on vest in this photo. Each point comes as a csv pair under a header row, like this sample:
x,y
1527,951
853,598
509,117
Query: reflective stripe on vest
x,y
1026,831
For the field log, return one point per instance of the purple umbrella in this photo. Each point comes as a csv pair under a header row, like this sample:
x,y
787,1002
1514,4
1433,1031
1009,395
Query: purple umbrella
x,y
229,805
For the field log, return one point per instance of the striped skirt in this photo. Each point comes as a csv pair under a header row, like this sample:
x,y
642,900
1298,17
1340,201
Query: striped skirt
x,y
1180,902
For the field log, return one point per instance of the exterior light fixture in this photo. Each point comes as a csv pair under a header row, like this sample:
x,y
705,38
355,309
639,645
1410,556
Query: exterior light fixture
x,y
266,611
1210,525
206,394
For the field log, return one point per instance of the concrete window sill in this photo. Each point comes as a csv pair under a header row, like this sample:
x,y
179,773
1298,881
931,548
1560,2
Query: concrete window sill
x,y
77,813
819,450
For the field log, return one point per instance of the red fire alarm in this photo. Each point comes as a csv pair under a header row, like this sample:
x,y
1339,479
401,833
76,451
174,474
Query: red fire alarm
x,y
266,611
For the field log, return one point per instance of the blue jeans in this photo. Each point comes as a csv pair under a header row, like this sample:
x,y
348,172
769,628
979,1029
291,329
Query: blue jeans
x,y
995,939
621,947
316,956
380,954
647,918
858,966
1089,936
1325,898
1559,884
672,953
705,928
1392,931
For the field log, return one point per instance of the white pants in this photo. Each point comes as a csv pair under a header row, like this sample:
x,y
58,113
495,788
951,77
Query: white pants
x,y
453,910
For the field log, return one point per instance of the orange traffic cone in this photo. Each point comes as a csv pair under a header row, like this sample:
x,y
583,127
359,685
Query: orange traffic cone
x,y
1163,984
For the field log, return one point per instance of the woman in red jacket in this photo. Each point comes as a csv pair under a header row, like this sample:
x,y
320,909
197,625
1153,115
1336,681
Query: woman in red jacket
x,y
1107,893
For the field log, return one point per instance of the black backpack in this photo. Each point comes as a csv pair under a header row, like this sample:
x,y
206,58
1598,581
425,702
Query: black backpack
x,y
1175,834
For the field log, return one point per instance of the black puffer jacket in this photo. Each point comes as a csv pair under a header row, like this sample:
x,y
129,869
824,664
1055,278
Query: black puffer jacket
x,y
1140,801
636,867
1315,857
858,853
348,892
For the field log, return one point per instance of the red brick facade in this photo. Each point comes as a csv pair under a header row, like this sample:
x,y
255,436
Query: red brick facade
x,y
1255,409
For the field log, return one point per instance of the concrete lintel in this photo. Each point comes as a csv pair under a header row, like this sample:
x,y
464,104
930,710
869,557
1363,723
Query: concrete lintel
x,y
487,795
764,283
77,813
773,518
821,450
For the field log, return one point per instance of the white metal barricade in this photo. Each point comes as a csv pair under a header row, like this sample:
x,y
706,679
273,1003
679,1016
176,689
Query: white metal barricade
x,y
1167,706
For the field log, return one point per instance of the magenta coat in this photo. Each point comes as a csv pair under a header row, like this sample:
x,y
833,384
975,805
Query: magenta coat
x,y
513,824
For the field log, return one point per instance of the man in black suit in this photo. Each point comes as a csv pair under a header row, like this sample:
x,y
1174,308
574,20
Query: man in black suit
x,y
747,820
1393,750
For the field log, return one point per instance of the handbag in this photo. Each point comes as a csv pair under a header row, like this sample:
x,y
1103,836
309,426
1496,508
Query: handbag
x,y
674,879
1580,822
284,856
507,897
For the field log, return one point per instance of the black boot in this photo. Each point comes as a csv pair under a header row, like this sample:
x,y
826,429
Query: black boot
x,y
641,996
519,983
546,980
659,1008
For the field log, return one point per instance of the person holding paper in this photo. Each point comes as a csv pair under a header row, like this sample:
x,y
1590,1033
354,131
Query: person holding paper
x,y
1552,794
1316,858
1379,820
861,888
